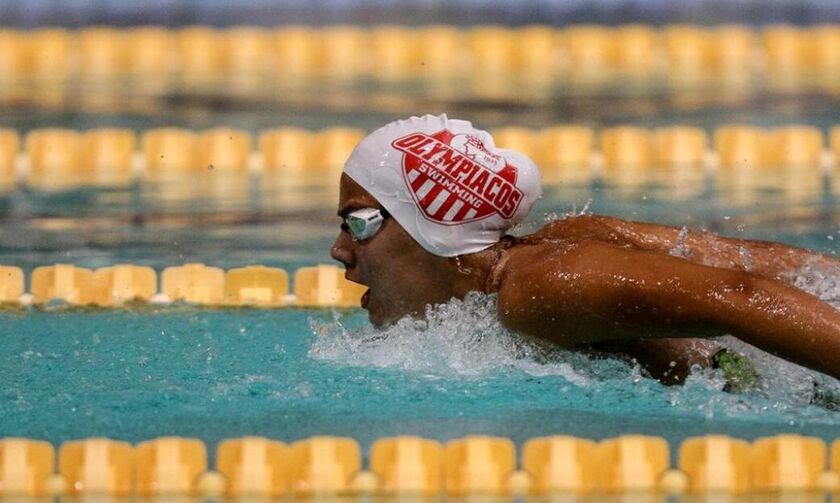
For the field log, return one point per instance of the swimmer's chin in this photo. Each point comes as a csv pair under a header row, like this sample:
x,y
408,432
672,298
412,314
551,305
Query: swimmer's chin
x,y
373,315
380,318
379,321
382,321
385,314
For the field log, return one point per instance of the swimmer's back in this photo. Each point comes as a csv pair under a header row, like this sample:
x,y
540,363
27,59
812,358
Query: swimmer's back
x,y
575,229
769,259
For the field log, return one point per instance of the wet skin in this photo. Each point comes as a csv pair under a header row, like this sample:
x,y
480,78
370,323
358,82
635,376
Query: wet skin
x,y
603,283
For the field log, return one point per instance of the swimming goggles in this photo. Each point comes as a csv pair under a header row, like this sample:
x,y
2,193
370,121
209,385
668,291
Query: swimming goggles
x,y
363,224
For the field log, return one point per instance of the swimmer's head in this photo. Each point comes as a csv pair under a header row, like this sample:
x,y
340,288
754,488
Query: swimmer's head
x,y
447,193
445,182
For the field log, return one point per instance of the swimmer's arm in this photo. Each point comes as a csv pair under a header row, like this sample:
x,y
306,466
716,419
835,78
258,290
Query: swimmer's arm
x,y
596,292
669,360
767,258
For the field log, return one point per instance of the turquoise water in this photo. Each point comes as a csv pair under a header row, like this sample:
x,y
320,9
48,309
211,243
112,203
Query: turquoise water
x,y
265,222
288,374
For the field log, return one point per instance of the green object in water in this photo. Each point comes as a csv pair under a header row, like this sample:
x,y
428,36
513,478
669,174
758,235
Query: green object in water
x,y
739,373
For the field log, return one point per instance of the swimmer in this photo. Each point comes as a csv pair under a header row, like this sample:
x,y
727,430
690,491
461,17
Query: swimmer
x,y
425,205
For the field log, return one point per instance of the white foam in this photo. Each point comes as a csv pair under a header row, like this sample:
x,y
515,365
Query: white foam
x,y
464,338
460,338
781,380
786,385
819,279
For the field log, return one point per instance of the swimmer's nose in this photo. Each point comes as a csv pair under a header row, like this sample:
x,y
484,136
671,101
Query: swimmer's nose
x,y
341,252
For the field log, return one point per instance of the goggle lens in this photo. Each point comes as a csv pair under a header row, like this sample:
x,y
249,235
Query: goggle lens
x,y
356,226
363,224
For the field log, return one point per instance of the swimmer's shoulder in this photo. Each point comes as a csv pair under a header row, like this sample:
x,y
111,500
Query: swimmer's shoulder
x,y
553,240
577,228
516,252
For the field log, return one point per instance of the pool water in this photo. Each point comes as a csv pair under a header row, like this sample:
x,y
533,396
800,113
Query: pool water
x,y
289,374
293,225
149,371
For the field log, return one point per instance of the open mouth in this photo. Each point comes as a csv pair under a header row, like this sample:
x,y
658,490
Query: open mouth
x,y
366,296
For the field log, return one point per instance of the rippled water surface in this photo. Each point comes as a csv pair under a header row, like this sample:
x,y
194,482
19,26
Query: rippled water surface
x,y
290,373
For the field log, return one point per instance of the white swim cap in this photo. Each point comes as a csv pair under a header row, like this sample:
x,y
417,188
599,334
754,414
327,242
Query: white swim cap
x,y
445,182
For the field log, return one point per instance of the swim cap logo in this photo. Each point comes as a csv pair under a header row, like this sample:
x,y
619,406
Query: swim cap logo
x,y
454,178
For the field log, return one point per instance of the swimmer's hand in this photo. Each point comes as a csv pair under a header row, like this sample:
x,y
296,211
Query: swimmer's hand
x,y
593,291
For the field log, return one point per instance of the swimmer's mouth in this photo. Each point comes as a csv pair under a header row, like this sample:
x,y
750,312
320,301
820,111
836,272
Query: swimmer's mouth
x,y
365,296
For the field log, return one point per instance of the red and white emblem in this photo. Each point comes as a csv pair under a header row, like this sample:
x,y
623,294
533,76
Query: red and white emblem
x,y
454,179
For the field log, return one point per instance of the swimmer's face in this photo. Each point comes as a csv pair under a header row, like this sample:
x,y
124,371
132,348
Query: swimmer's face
x,y
401,276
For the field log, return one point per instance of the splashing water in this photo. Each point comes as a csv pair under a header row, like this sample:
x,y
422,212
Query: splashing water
x,y
820,280
553,216
786,384
464,339
680,249
459,338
